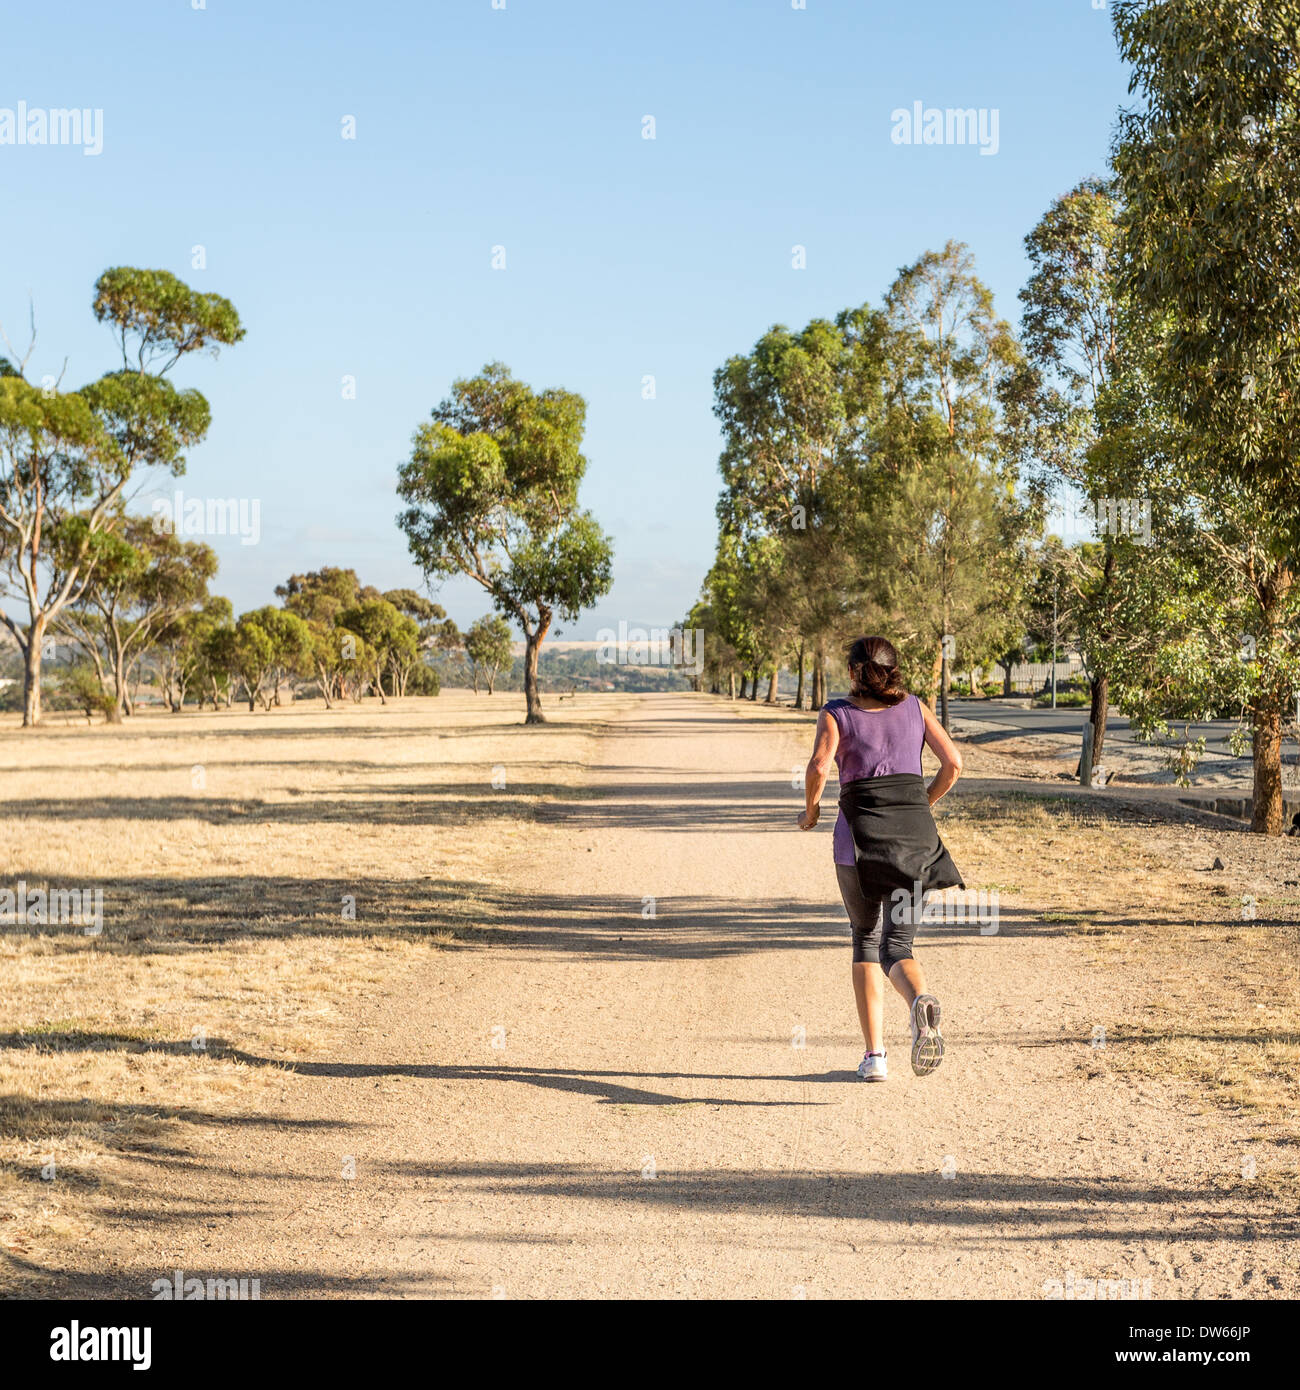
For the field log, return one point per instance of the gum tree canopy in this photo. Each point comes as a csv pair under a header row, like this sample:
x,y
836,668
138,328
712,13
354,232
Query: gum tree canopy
x,y
1210,182
1210,263
66,457
492,493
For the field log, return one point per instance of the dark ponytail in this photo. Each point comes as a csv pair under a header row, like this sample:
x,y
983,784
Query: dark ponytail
x,y
873,668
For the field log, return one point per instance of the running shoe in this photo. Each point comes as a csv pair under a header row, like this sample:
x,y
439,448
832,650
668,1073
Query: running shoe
x,y
927,1041
873,1067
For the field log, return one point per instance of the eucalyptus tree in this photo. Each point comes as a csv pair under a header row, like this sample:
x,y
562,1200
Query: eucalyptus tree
x,y
789,414
1070,332
491,489
728,592
388,638
1211,266
184,651
1206,165
487,648
266,645
66,458
435,631
144,582
318,598
1206,617
719,660
943,508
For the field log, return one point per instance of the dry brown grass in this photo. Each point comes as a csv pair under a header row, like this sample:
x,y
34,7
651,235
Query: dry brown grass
x,y
1204,995
225,845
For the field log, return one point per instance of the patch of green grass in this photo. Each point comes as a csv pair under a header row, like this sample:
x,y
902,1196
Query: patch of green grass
x,y
1065,699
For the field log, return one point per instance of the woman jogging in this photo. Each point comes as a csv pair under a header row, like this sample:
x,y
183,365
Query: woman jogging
x,y
887,849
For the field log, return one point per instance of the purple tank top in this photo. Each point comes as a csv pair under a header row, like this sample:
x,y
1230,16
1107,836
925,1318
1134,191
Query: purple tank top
x,y
874,743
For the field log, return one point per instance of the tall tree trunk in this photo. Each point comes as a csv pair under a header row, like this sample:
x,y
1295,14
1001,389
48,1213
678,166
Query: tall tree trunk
x,y
1266,739
753,690
936,678
117,655
32,674
1006,676
798,694
532,648
744,684
122,674
771,688
818,679
1098,713
945,663
731,685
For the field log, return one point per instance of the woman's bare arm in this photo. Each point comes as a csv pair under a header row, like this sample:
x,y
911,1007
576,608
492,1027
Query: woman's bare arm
x,y
943,748
825,743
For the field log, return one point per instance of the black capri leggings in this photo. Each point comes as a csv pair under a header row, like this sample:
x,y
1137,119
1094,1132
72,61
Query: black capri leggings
x,y
876,936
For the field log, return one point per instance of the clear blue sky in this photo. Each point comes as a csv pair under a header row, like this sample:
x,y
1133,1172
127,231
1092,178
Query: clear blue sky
x,y
520,127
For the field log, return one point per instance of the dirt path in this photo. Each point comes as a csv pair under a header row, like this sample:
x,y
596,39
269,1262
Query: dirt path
x,y
609,1103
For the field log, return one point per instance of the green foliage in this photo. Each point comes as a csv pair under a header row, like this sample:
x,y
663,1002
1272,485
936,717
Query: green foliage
x,y
163,315
143,582
148,418
424,680
79,686
387,637
487,646
268,644
491,488
67,457
792,414
867,483
1184,757
319,598
1207,169
187,648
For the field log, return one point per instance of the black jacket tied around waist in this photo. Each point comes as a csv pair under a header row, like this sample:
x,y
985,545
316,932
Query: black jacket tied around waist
x,y
895,841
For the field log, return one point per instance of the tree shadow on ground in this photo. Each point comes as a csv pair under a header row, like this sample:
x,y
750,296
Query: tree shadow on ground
x,y
145,915
978,1204
30,1279
32,1117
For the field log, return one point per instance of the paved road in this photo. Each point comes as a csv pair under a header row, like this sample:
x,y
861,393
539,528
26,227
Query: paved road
x,y
1020,718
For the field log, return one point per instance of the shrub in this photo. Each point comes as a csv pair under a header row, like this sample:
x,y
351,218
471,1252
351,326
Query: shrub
x,y
79,688
423,680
